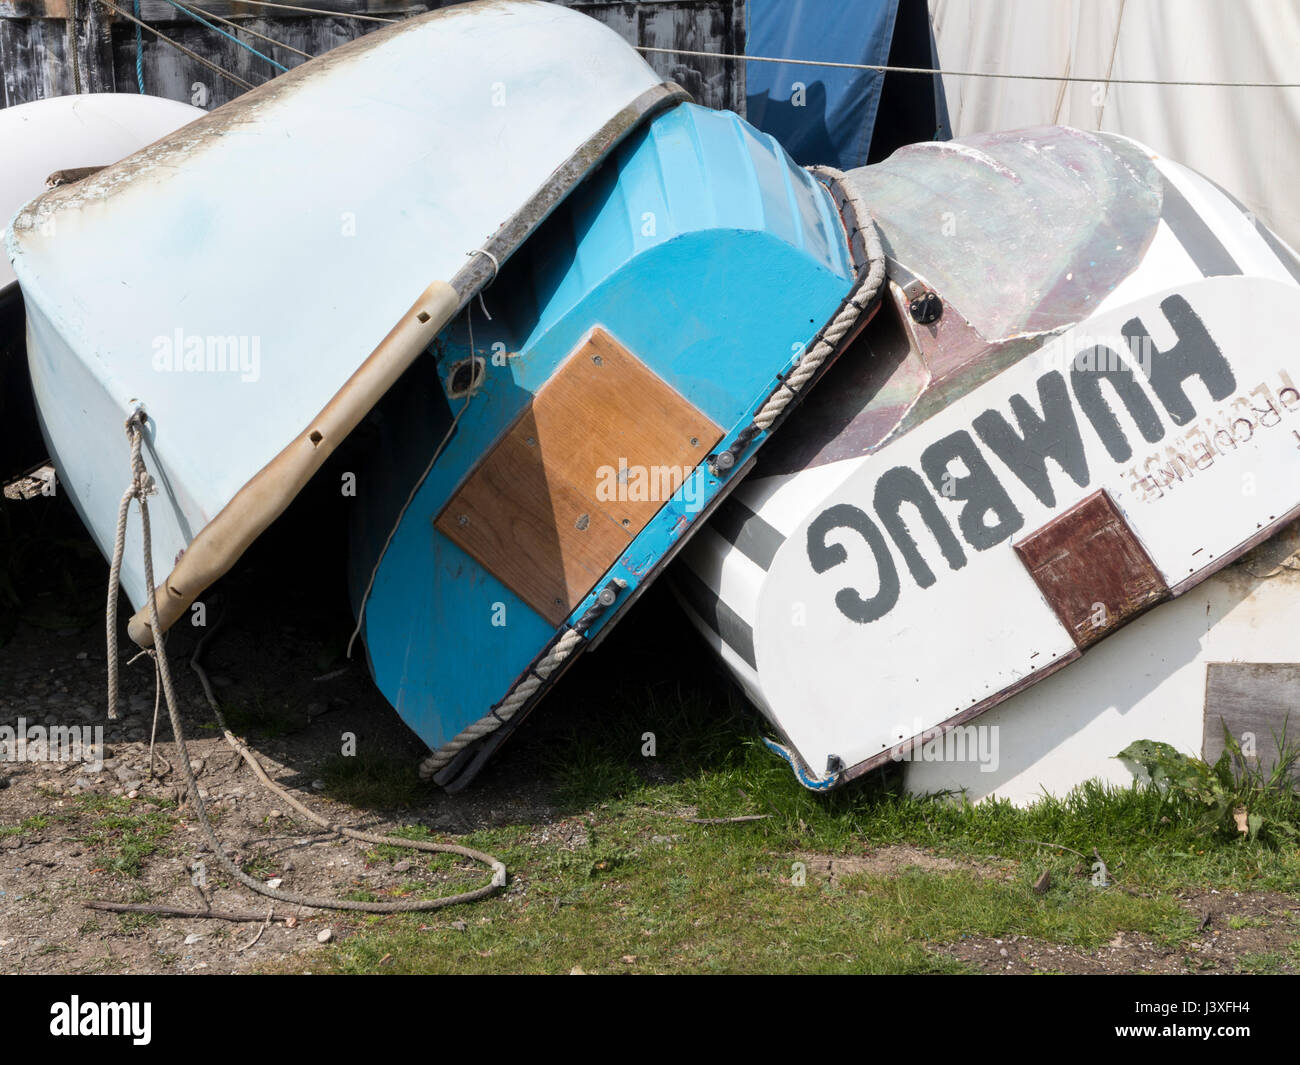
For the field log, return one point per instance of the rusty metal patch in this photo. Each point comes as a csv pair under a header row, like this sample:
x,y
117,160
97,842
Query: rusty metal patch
x,y
1091,569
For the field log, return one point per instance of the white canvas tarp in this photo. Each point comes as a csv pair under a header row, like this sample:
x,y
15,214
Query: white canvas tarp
x,y
1246,139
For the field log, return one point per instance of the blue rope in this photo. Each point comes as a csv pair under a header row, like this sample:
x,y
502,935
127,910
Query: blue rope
x,y
139,51
228,36
800,770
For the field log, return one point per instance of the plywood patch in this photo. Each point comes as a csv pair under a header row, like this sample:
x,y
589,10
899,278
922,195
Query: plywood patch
x,y
1260,704
603,445
1091,569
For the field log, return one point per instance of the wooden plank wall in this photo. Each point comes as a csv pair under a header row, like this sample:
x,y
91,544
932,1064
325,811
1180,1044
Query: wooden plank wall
x,y
35,61
1259,699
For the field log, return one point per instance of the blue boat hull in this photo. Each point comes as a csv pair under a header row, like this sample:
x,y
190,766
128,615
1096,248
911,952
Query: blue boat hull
x,y
700,252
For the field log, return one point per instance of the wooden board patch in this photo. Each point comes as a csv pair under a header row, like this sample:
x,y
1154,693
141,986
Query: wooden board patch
x,y
1091,569
1260,704
603,445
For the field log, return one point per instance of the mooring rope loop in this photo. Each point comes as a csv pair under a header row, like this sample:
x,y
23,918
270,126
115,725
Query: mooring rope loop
x,y
140,488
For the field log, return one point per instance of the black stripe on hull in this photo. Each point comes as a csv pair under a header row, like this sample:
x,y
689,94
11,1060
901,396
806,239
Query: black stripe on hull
x,y
748,533
1194,234
1284,254
733,630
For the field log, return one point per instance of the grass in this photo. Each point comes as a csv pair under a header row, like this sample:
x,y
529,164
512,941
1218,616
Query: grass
x,y
639,889
1266,963
370,781
684,897
617,881
124,833
27,826
254,714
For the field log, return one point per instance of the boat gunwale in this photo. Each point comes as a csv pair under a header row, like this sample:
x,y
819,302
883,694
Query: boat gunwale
x,y
218,545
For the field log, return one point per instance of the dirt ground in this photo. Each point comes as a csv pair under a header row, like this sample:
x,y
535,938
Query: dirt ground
x,y
72,848
1233,926
68,836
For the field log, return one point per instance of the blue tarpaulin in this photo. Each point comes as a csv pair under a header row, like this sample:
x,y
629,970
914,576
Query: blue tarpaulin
x,y
821,114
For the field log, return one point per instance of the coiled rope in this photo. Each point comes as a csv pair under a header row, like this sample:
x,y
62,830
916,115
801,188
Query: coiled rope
x,y
141,487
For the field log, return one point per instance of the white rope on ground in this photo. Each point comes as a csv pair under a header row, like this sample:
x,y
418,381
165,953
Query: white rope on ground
x,y
141,487
883,69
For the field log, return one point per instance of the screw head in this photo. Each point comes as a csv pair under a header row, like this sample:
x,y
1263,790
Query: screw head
x,y
926,308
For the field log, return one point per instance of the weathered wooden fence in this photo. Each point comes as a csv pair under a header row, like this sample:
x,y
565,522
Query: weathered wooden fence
x,y
59,47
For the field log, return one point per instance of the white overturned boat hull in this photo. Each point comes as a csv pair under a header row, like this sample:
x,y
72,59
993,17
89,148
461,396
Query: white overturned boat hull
x,y
1227,652
68,132
257,280
37,141
950,523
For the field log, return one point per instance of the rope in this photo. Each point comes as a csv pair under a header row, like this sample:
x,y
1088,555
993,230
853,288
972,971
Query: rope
x,y
507,708
245,29
179,47
800,770
229,36
871,278
321,11
141,487
73,50
975,73
139,50
415,488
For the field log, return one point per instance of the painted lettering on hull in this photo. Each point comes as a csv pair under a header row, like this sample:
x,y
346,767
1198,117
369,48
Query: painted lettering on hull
x,y
1035,437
